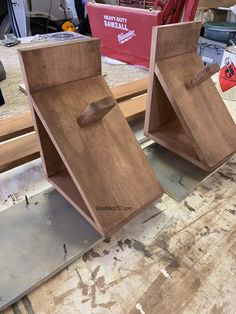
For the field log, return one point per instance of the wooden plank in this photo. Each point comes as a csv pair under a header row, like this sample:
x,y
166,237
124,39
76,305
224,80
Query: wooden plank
x,y
97,158
130,90
134,108
15,126
21,150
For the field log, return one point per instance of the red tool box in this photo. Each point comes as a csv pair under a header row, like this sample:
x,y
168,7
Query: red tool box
x,y
125,32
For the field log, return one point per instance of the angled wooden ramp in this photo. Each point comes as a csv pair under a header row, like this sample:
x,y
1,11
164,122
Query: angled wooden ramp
x,y
89,151
185,112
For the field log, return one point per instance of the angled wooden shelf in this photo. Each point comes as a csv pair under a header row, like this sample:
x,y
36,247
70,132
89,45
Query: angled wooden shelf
x,y
185,112
89,151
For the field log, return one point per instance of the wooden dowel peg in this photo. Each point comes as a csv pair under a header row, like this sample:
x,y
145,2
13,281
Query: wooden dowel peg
x,y
96,111
202,76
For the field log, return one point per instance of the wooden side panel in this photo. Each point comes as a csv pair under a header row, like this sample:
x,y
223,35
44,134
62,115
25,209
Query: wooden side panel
x,y
48,66
173,137
159,110
64,184
175,39
104,160
52,161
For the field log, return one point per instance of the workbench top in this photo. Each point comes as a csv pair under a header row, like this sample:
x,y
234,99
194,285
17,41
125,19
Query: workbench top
x,y
172,258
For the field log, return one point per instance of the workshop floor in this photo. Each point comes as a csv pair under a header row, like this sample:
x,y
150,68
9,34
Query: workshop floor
x,y
172,258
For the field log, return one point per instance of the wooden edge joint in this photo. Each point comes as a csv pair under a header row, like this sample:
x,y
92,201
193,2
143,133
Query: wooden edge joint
x,y
96,111
202,76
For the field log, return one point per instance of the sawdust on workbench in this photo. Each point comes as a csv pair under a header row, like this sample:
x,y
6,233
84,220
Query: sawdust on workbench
x,y
16,101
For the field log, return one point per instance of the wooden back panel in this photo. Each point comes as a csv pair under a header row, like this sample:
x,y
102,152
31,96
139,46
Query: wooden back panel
x,y
175,39
47,66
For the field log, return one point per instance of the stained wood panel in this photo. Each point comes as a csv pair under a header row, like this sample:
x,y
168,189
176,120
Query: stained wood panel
x,y
129,90
103,159
200,116
176,39
134,108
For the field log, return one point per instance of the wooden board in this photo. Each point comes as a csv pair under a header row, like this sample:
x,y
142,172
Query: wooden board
x,y
129,90
201,118
104,160
15,126
17,152
134,108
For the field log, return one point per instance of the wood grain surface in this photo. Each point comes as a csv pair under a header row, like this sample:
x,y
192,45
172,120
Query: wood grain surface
x,y
22,150
132,89
15,126
59,66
